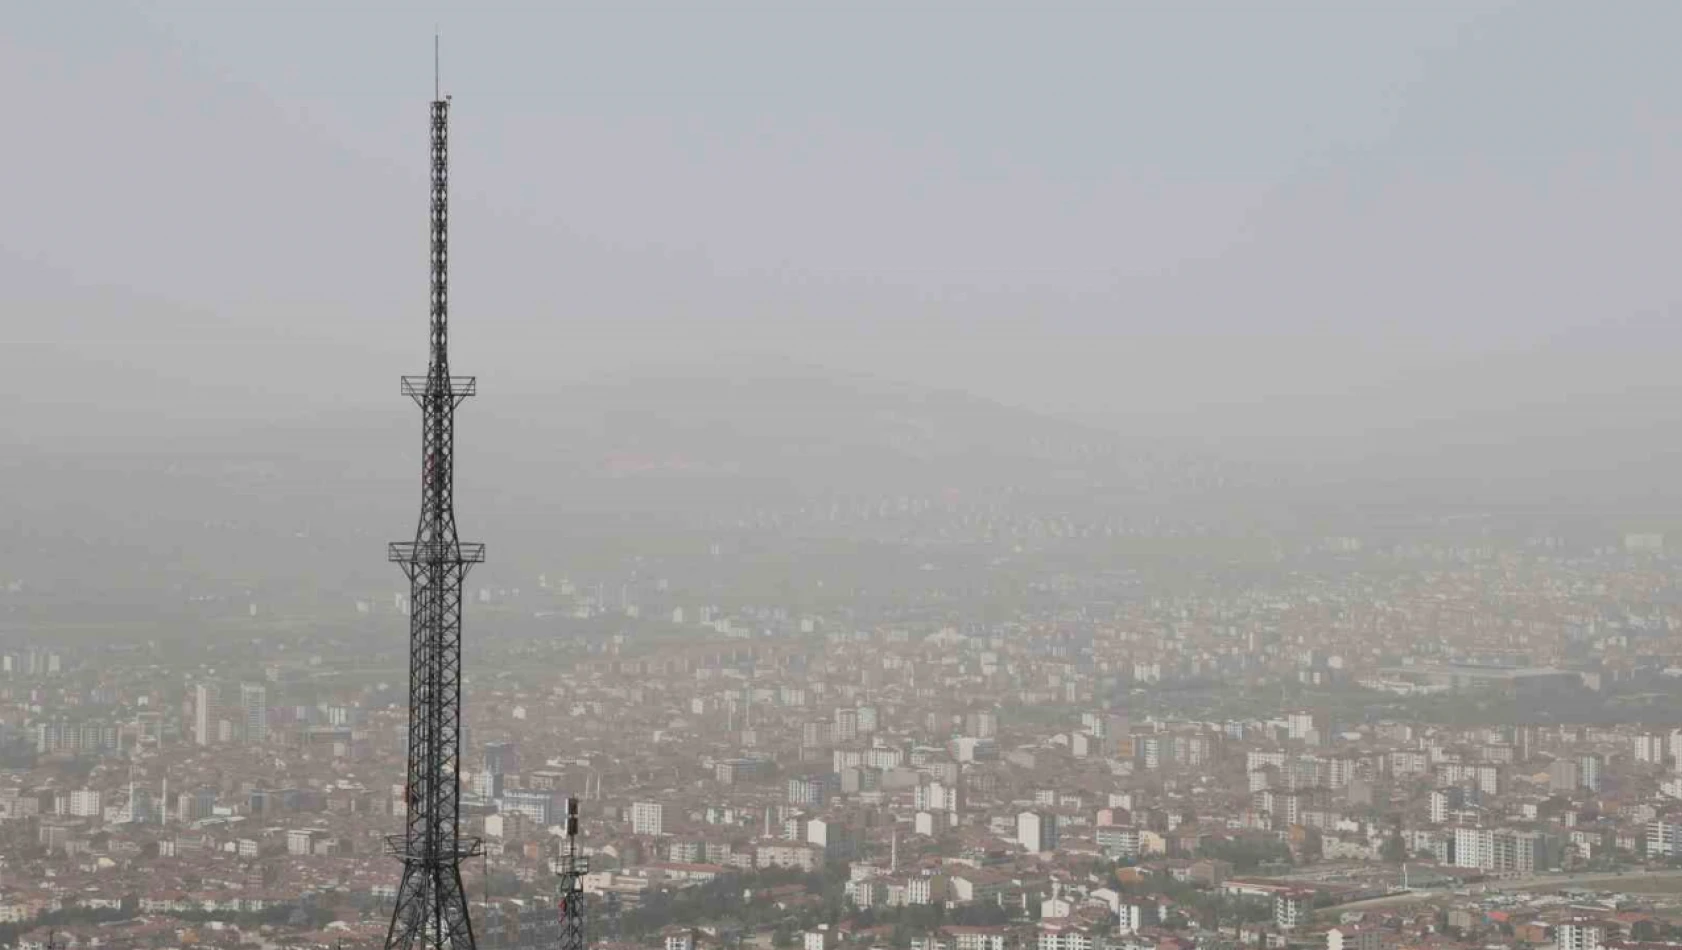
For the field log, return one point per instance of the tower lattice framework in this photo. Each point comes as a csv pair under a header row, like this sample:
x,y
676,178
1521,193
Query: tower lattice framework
x,y
431,911
573,867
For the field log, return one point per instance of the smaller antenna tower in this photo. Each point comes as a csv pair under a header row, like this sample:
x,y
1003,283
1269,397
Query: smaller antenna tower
x,y
573,867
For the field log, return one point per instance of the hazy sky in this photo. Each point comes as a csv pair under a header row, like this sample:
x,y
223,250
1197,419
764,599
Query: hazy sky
x,y
1249,219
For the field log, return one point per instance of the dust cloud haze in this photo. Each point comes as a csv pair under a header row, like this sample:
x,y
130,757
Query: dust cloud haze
x,y
956,476
1279,256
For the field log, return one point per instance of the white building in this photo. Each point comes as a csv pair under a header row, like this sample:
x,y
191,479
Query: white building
x,y
938,796
820,939
1501,850
1036,831
867,720
1153,752
1120,840
1579,935
1486,777
846,725
647,818
1664,839
1134,916
538,806
1588,772
1439,806
84,803
884,757
811,791
976,938
1650,747
1065,937
300,841
1291,908
206,700
803,856
1354,938
254,711
926,890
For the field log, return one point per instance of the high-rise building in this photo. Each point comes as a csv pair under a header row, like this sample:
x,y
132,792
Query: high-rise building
x,y
1483,776
487,784
647,818
61,736
817,734
1664,839
535,805
207,701
1503,850
1304,727
846,725
867,719
1444,800
1564,775
1354,938
84,803
1290,908
1037,831
737,771
1153,752
1579,935
939,796
1649,747
1588,771
1524,742
808,790
500,758
254,711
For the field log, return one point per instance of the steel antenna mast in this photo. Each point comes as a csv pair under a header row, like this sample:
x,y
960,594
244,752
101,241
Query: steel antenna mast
x,y
431,909
573,867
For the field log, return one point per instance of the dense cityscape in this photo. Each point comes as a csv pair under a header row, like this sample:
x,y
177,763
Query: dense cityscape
x,y
1380,742
1122,476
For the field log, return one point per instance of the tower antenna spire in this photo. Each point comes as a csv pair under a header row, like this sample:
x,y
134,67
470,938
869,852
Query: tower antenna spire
x,y
573,867
431,907
437,70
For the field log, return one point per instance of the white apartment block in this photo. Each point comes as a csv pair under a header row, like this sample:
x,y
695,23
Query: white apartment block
x,y
1354,938
1579,935
84,803
1502,851
647,818
1065,938
1664,839
1036,831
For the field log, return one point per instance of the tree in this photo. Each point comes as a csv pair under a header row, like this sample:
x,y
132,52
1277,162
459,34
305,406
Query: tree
x,y
1247,854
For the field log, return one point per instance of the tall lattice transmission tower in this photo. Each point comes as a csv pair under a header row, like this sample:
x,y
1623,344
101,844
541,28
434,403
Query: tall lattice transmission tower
x,y
573,867
431,910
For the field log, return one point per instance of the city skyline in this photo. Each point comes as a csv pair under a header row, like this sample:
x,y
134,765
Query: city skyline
x,y
1133,476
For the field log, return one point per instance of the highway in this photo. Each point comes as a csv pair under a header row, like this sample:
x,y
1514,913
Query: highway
x,y
1536,883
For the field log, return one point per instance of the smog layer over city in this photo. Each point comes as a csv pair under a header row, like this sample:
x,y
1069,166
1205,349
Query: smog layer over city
x,y
841,476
